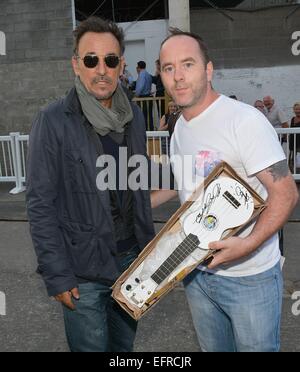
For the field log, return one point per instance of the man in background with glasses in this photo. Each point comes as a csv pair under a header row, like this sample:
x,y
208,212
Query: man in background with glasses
x,y
86,234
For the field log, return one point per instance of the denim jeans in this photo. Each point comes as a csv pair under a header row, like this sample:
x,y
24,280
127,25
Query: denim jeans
x,y
236,314
99,324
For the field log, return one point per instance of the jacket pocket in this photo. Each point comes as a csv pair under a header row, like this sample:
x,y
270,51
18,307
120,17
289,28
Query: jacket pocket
x,y
82,178
83,251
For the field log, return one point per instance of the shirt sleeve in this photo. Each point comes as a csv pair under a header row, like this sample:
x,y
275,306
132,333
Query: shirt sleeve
x,y
140,84
282,117
257,143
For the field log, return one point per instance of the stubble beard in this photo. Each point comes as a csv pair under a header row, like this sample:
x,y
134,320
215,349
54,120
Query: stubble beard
x,y
103,97
198,96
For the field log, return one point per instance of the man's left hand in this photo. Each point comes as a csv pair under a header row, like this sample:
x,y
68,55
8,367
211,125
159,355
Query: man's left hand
x,y
229,250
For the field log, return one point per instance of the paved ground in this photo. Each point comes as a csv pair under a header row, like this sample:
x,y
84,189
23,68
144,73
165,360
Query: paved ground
x,y
34,322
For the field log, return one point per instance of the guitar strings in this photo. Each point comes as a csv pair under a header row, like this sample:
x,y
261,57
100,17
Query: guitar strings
x,y
188,244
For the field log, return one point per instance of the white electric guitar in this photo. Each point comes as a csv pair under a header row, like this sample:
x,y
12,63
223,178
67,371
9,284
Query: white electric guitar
x,y
226,204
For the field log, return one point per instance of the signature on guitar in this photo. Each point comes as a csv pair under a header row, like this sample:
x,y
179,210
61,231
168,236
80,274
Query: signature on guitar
x,y
210,199
243,194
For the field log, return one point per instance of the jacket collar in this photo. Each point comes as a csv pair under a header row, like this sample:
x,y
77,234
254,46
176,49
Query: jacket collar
x,y
71,103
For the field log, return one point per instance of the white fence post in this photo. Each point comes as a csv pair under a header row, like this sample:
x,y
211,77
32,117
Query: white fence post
x,y
17,161
2,304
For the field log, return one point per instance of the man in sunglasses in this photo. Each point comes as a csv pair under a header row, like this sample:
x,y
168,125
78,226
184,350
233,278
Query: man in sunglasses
x,y
85,233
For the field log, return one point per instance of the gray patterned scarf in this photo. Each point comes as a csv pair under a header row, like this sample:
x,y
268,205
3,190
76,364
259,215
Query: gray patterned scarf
x,y
105,120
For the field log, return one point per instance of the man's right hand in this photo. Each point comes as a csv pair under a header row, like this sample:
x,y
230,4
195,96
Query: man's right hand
x,y
66,298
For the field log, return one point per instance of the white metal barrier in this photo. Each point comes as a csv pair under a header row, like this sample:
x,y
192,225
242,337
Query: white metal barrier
x,y
13,153
22,143
7,159
158,145
14,148
290,139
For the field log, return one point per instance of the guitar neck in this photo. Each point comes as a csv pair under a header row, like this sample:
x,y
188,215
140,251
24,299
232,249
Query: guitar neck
x,y
188,246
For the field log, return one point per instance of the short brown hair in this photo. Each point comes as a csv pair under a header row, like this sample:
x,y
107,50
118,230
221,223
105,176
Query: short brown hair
x,y
203,47
296,104
99,25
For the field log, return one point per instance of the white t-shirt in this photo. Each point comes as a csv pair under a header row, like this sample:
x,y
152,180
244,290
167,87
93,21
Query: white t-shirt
x,y
240,135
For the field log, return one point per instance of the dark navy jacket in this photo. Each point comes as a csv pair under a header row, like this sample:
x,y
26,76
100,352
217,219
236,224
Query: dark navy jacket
x,y
70,219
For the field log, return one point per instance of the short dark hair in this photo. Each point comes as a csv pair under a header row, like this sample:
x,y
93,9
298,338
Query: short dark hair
x,y
202,45
99,25
142,65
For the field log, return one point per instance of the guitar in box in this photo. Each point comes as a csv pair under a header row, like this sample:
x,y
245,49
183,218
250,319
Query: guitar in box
x,y
226,204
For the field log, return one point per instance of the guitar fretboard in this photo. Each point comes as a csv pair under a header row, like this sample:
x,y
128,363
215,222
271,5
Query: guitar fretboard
x,y
176,258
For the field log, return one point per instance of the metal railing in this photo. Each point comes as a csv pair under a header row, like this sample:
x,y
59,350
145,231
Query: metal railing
x,y
13,153
14,148
22,142
153,109
7,159
158,146
290,139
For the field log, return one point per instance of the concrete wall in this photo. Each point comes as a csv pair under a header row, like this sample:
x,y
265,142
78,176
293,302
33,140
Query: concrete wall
x,y
254,55
148,33
253,39
38,33
251,84
36,67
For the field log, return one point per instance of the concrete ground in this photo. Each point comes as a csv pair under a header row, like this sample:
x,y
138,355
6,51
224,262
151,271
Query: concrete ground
x,y
33,322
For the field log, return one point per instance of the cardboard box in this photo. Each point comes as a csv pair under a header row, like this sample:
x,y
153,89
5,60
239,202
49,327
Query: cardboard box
x,y
174,226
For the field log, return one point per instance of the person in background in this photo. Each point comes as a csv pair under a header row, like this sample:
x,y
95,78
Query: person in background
x,y
259,105
168,121
144,81
295,123
143,90
274,114
160,89
126,78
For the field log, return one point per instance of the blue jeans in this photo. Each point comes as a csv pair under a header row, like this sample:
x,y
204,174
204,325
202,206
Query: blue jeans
x,y
236,314
99,324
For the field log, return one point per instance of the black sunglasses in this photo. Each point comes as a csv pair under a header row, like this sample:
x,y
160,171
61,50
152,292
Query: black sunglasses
x,y
92,60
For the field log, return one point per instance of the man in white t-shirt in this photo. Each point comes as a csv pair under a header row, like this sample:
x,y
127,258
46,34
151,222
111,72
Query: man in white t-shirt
x,y
236,300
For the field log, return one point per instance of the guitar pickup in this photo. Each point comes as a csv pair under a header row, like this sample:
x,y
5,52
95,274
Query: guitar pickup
x,y
232,200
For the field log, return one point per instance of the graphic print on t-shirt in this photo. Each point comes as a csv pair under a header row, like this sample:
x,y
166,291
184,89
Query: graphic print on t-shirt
x,y
205,162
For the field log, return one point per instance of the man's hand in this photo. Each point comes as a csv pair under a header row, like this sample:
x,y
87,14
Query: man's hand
x,y
66,298
229,250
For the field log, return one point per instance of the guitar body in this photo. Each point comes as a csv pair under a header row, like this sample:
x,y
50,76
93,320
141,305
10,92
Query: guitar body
x,y
226,204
